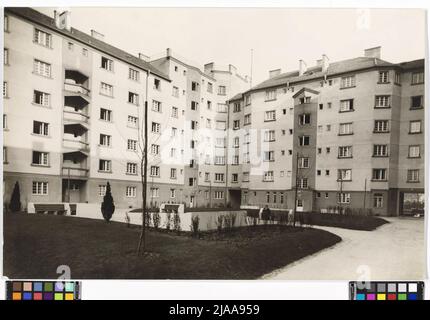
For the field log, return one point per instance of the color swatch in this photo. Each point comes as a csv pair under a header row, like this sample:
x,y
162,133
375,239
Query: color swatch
x,y
43,290
386,290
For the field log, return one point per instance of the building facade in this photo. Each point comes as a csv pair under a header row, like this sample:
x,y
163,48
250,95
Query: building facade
x,y
348,134
74,118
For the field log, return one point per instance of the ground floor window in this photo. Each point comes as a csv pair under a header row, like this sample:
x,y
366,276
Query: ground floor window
x,y
155,192
172,193
378,200
344,197
40,187
219,194
130,192
102,190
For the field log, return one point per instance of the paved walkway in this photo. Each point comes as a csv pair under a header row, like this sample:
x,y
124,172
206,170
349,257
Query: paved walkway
x,y
395,251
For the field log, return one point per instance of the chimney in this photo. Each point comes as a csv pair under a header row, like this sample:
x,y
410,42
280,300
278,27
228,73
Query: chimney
x,y
325,63
209,67
144,57
232,69
302,67
374,52
63,20
274,73
97,35
319,62
168,52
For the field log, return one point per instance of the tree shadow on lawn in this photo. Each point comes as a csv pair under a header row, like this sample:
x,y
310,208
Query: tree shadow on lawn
x,y
35,245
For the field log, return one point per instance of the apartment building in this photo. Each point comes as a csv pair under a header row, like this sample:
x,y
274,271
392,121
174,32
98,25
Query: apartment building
x,y
73,118
347,133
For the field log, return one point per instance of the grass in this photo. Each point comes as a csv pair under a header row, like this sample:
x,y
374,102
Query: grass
x,y
355,222
35,245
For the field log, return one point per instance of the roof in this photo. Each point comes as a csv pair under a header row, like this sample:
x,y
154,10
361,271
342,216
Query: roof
x,y
236,97
303,90
48,22
414,64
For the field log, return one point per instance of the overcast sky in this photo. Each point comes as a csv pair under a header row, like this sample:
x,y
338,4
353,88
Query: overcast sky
x,y
278,37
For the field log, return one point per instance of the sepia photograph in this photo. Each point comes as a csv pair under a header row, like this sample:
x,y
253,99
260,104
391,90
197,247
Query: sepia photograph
x,y
214,143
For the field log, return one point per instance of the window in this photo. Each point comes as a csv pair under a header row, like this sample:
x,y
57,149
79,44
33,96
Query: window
x,y
344,174
220,160
42,68
220,125
209,105
222,90
107,64
247,119
130,192
42,38
4,155
378,200
173,132
85,52
381,126
70,46
219,177
347,82
131,145
379,174
270,95
304,140
105,114
221,108
172,193
382,101
157,84
269,156
155,149
302,183
414,152
236,107
102,190
208,123
247,99
40,188
343,197
303,162
40,158
304,119
236,124
304,100
155,192
174,111
194,105
345,128
155,127
380,150
5,91
194,86
268,176
133,74
106,89
417,102
41,128
6,23
327,172
320,129
134,99
346,105
172,152
155,171
236,142
131,168
132,121
328,127
417,77
397,78
321,106
4,121
105,140
245,176
175,92
270,115
218,195
234,177
5,56
413,175
383,77
415,126
327,150
269,135
345,152
41,98
173,173
210,87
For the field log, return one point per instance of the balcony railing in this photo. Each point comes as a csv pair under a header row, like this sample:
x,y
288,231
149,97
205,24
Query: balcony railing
x,y
74,172
76,116
75,144
76,88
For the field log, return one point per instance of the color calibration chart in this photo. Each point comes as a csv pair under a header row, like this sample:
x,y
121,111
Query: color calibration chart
x,y
43,290
385,290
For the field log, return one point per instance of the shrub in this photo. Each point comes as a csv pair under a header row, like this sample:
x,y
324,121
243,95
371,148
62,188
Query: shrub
x,y
233,219
156,219
108,206
168,216
219,222
348,211
176,222
15,199
195,226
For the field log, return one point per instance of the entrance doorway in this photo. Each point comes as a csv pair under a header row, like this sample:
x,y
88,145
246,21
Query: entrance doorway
x,y
192,200
73,190
235,198
412,204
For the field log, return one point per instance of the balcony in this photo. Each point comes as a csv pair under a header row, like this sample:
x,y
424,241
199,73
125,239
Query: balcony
x,y
76,91
75,117
74,172
76,144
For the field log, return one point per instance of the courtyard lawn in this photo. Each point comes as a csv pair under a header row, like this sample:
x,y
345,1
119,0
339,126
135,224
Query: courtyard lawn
x,y
35,245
